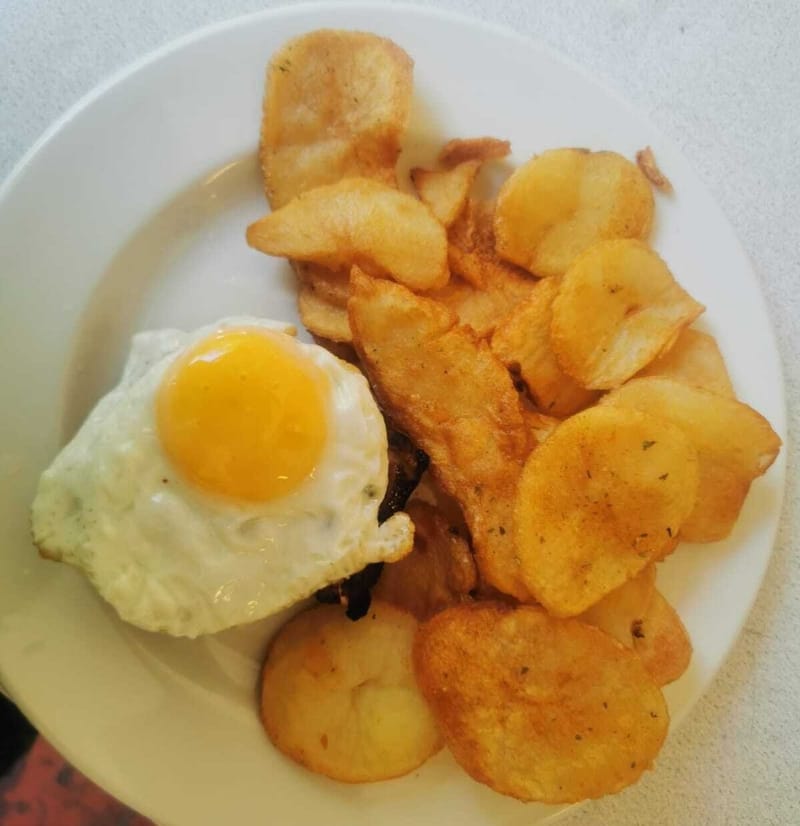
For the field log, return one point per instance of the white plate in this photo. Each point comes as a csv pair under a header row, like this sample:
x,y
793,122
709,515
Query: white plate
x,y
130,213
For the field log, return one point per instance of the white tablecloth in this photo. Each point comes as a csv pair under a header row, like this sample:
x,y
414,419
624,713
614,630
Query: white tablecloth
x,y
723,78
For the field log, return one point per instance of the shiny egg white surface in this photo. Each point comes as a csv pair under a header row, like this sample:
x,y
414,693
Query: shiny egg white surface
x,y
232,472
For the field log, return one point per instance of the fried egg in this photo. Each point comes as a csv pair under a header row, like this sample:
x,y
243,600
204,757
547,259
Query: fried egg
x,y
232,472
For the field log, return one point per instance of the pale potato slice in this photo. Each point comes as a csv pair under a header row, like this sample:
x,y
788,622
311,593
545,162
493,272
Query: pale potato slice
x,y
734,443
336,106
445,191
598,500
695,359
662,642
459,150
561,202
471,250
358,221
618,308
446,390
340,697
321,317
536,707
521,341
438,572
621,612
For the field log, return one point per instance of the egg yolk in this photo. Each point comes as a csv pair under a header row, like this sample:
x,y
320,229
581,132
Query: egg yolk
x,y
241,415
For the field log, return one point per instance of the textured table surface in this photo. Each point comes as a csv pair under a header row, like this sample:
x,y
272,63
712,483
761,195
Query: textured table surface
x,y
723,79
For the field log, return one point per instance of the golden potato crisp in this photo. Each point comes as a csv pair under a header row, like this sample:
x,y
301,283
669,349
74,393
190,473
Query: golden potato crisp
x,y
539,425
536,707
621,612
734,443
459,150
521,341
322,317
694,359
445,389
662,642
472,253
438,572
561,202
445,191
340,697
617,309
598,500
485,307
330,286
336,106
359,221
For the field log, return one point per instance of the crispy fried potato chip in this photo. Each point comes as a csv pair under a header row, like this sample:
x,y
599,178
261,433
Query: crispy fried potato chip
x,y
330,286
459,150
561,202
471,251
734,443
646,161
670,548
621,612
453,398
661,640
536,707
617,309
485,307
598,500
694,359
522,342
336,106
438,572
340,697
445,191
358,221
321,317
539,425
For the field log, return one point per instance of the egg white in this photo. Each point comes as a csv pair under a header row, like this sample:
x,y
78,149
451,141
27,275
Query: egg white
x,y
170,557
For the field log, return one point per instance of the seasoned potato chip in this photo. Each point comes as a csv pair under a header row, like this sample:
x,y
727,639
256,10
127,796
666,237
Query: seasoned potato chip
x,y
620,613
618,308
598,500
536,707
522,342
336,106
471,251
430,492
321,317
671,546
646,161
330,286
662,642
485,307
694,359
734,443
358,221
445,191
459,150
561,202
539,425
340,697
451,396
438,572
